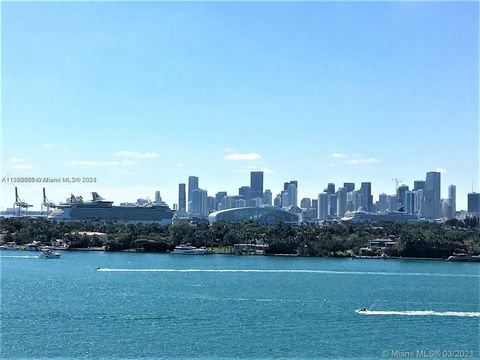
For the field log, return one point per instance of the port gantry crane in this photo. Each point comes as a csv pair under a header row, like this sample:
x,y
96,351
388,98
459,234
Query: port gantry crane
x,y
20,204
47,204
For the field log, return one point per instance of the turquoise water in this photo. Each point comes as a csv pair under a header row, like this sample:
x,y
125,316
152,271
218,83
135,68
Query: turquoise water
x,y
287,308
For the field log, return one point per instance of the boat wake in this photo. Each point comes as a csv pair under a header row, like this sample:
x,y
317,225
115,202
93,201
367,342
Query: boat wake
x,y
419,313
282,271
18,257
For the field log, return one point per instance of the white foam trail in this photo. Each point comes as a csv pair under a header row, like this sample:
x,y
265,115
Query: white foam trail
x,y
282,271
19,257
421,313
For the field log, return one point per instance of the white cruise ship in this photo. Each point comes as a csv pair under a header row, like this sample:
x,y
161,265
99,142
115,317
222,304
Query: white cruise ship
x,y
101,210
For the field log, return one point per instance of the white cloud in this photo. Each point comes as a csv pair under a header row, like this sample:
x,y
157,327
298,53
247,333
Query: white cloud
x,y
441,170
47,145
338,155
361,161
228,149
238,156
128,162
23,166
16,160
149,155
136,154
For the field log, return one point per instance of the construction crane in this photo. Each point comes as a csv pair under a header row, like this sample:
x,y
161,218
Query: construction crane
x,y
19,203
397,181
47,204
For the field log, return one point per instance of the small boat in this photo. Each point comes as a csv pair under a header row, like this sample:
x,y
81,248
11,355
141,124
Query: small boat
x,y
190,250
11,246
33,246
361,311
47,253
464,258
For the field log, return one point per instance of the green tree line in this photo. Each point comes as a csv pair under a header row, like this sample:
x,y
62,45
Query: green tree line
x,y
415,239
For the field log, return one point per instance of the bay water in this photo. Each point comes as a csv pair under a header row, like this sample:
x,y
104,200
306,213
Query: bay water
x,y
162,306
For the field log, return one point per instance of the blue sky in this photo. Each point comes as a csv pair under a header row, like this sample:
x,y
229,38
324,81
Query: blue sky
x,y
142,95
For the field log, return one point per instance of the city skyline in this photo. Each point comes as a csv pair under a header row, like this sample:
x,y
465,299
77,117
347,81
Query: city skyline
x,y
141,96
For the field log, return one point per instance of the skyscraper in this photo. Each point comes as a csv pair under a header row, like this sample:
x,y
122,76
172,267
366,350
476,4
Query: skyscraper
x,y
199,204
323,206
331,188
267,198
452,200
305,203
382,203
402,189
366,191
432,201
349,186
158,197
341,202
182,202
292,193
245,192
192,185
474,204
418,185
256,184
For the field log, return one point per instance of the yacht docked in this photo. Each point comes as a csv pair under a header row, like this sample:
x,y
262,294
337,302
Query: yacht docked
x,y
190,250
9,246
33,246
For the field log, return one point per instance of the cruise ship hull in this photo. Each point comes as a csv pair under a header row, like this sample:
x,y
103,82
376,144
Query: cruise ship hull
x,y
120,214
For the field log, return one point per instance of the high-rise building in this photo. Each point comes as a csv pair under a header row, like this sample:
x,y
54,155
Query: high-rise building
x,y
285,199
366,191
305,203
452,200
227,202
349,186
474,204
256,184
158,197
199,204
419,203
332,205
409,202
292,194
382,203
315,203
331,188
211,204
218,199
323,206
432,203
341,202
277,202
267,198
392,203
182,202
245,192
418,185
402,189
192,185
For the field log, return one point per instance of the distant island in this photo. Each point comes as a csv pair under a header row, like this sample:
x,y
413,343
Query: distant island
x,y
417,240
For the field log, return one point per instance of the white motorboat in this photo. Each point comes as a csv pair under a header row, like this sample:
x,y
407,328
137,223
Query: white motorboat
x,y
362,311
190,250
9,246
47,253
